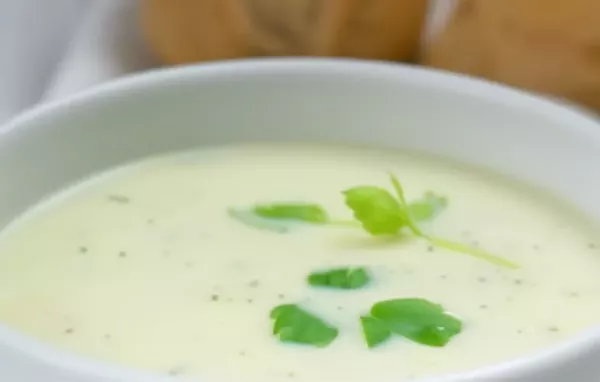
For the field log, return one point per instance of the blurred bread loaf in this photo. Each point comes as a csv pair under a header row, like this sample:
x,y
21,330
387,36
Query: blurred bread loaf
x,y
548,46
184,31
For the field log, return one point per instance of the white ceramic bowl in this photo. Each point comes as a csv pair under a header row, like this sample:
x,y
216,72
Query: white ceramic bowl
x,y
280,100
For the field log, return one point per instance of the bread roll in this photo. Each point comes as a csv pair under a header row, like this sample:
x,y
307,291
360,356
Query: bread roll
x,y
547,46
184,31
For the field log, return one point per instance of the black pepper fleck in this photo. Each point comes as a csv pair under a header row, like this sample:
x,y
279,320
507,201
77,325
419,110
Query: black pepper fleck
x,y
253,283
519,331
291,375
573,294
150,221
443,277
122,254
83,249
483,306
214,297
536,247
430,248
482,279
553,329
242,353
591,246
281,296
518,282
107,336
69,331
250,301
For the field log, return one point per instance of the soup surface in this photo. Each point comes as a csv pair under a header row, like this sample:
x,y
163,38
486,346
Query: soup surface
x,y
143,266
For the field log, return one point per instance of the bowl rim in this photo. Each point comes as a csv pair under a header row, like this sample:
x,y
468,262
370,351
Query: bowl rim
x,y
578,120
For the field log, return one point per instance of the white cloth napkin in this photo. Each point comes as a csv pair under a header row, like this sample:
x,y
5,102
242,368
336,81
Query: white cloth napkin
x,y
108,44
34,35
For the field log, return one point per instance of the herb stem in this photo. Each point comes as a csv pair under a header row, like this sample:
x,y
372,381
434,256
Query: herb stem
x,y
448,244
470,251
400,192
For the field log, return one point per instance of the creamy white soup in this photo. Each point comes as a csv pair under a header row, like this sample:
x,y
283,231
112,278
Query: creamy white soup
x,y
160,266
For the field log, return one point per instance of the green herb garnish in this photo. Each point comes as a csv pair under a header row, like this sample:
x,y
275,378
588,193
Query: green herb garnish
x,y
340,278
249,218
376,209
374,331
382,214
400,193
428,207
416,319
293,324
305,212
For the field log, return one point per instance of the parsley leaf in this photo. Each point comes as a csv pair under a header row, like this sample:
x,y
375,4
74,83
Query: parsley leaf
x,y
249,218
293,324
280,217
377,210
306,212
428,207
375,331
416,319
340,278
400,192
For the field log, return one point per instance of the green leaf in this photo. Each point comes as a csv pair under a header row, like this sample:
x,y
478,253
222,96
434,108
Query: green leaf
x,y
377,210
295,325
306,212
404,206
375,331
428,207
249,218
418,320
340,278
